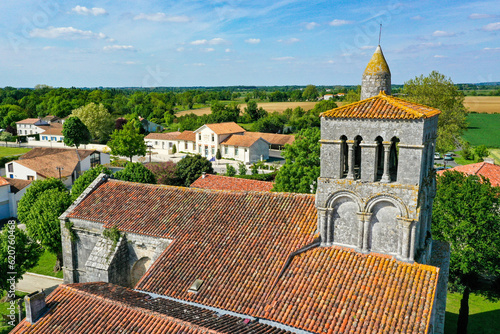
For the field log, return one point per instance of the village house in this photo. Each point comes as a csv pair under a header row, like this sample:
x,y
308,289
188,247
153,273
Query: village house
x,y
41,163
163,141
46,129
220,182
486,169
11,191
4,198
357,257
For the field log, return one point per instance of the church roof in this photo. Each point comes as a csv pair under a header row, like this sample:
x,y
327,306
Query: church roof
x,y
219,182
107,308
377,63
382,106
241,243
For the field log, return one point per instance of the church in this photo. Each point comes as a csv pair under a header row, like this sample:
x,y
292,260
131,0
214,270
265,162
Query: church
x,y
356,257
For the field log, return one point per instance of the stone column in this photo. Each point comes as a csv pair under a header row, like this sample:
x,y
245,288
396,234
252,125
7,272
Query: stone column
x,y
350,173
413,233
322,224
363,225
387,151
329,227
406,236
366,231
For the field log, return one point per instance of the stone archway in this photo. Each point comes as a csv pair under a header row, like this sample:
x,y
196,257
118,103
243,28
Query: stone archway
x,y
138,270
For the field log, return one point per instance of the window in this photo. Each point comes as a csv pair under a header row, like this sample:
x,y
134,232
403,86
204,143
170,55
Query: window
x,y
170,144
185,145
213,150
156,143
344,157
53,138
44,137
213,137
95,159
236,150
31,177
11,168
225,149
199,149
193,146
199,136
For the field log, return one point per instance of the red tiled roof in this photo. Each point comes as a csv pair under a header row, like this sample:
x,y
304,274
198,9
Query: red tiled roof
x,y
240,140
28,121
187,135
163,136
239,242
225,128
52,129
3,182
273,138
45,160
382,107
107,308
486,169
219,182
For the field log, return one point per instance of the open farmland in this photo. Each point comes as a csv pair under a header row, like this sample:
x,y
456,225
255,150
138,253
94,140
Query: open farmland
x,y
483,104
483,129
268,106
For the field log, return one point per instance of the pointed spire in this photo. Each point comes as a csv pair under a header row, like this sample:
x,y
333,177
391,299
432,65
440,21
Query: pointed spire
x,y
376,77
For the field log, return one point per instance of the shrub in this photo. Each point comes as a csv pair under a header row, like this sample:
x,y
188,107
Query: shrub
x,y
174,149
242,169
165,173
136,172
230,170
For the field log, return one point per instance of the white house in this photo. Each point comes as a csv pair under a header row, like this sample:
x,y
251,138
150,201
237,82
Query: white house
x,y
186,142
248,149
18,188
52,132
41,163
209,136
30,126
163,141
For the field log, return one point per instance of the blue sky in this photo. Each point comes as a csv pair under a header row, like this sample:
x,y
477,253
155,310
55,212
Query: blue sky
x,y
230,42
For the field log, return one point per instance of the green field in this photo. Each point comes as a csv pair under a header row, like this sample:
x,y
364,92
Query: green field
x,y
484,129
45,266
9,151
484,316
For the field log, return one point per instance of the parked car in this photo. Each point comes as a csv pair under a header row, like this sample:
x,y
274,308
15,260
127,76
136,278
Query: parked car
x,y
448,156
437,156
440,168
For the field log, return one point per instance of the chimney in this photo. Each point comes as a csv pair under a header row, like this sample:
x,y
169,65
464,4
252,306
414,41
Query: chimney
x,y
35,306
203,175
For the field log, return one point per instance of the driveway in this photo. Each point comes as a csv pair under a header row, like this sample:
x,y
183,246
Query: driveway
x,y
35,282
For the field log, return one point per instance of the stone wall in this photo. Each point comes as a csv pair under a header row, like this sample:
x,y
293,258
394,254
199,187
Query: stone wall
x,y
372,84
440,258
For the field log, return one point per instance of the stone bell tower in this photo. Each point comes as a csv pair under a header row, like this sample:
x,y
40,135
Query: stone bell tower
x,y
376,185
377,76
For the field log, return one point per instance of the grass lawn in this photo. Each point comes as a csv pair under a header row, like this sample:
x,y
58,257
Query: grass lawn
x,y
483,130
484,316
495,154
45,266
4,327
9,151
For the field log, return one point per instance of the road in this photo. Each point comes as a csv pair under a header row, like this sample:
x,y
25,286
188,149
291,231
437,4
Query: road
x,y
34,282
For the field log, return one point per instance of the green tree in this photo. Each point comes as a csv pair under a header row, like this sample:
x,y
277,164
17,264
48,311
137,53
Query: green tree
x,y
466,215
253,113
254,169
97,119
136,172
310,93
174,149
42,221
230,170
242,169
33,192
165,172
218,155
191,167
129,141
272,123
437,91
26,252
481,151
5,136
86,179
302,165
75,132
353,95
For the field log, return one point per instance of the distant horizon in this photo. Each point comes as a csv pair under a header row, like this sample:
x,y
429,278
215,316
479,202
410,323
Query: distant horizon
x,y
235,43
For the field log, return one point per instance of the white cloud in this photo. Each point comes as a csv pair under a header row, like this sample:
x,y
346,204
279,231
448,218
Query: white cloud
x,y
492,26
477,16
181,49
199,42
289,40
118,48
253,40
492,49
311,25
417,18
213,41
209,50
337,23
66,33
367,47
48,48
440,33
199,64
228,50
440,56
89,11
129,62
162,17
283,58
331,61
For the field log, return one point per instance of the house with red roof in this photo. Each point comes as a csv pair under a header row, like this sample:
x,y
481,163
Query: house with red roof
x,y
356,257
4,199
486,169
220,182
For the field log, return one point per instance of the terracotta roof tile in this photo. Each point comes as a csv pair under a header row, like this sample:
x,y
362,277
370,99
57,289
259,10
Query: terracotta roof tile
x,y
17,185
486,169
52,129
3,182
239,242
28,121
243,140
187,135
219,182
382,106
163,136
273,138
45,160
104,308
225,128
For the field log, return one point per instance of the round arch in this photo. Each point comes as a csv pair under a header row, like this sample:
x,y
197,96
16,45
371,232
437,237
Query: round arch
x,y
336,196
139,269
395,201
